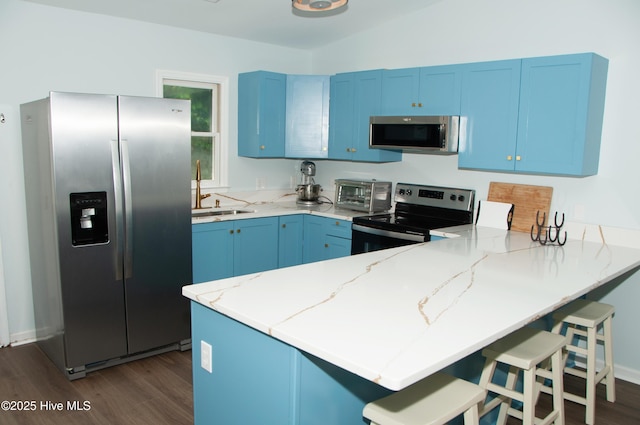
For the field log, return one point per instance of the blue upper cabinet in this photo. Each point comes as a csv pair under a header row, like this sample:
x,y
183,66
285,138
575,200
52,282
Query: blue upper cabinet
x,y
432,90
538,115
307,116
560,116
261,114
489,111
400,91
440,89
355,96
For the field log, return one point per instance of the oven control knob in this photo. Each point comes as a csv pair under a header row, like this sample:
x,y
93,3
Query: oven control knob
x,y
408,192
401,191
452,197
461,198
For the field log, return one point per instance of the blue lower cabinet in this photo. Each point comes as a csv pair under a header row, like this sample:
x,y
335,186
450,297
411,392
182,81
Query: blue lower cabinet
x,y
257,379
325,238
235,247
290,237
255,247
212,251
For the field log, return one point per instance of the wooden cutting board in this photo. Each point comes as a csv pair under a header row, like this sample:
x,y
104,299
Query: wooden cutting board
x,y
527,200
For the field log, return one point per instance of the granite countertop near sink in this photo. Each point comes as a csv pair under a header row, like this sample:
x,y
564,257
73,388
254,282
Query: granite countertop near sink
x,y
266,204
398,315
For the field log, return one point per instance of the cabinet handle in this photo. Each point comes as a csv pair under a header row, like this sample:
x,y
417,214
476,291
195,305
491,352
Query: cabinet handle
x,y
284,226
238,231
326,245
518,158
337,223
413,105
353,150
509,157
231,232
420,105
348,149
261,147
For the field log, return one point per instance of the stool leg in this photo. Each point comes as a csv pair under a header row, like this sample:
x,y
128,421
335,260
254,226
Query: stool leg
x,y
529,399
557,379
485,378
471,416
592,342
512,378
610,379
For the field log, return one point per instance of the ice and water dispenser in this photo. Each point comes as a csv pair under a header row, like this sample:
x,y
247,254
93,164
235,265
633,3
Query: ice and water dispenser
x,y
89,218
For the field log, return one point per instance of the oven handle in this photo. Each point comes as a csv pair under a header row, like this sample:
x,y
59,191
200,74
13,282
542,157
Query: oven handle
x,y
388,233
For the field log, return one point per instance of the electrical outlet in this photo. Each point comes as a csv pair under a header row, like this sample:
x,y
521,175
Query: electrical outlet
x,y
205,356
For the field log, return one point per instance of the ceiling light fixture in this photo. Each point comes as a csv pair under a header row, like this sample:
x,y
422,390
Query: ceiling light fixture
x,y
318,5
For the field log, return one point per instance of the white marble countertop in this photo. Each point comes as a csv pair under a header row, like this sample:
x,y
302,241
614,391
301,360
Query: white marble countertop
x,y
399,315
270,209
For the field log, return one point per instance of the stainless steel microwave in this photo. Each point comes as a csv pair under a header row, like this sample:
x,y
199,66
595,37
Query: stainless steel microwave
x,y
420,134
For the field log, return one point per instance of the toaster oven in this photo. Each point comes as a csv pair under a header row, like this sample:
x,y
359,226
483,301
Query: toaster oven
x,y
363,195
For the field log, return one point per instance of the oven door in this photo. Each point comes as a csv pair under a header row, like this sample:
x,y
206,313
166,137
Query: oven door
x,y
367,239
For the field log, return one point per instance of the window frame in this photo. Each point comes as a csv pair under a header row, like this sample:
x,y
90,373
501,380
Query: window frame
x,y
221,136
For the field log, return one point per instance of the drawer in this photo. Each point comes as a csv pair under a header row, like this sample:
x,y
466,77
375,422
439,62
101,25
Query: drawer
x,y
339,228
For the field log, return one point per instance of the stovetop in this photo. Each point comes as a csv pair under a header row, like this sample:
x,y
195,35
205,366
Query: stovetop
x,y
420,208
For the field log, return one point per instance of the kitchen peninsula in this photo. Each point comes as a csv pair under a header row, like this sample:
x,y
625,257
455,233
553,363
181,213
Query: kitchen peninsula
x,y
313,343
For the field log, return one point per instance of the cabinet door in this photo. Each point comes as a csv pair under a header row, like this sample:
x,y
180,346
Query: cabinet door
x,y
368,102
314,235
212,247
307,117
255,245
261,114
560,119
337,247
355,97
290,239
342,119
325,238
440,88
489,115
400,91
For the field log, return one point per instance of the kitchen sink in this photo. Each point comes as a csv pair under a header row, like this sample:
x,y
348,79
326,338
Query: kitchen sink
x,y
210,213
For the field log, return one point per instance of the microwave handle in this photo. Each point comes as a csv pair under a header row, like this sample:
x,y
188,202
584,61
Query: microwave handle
x,y
462,134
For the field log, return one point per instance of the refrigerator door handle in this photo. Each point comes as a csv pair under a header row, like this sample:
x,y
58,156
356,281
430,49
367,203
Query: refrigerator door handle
x,y
117,192
128,210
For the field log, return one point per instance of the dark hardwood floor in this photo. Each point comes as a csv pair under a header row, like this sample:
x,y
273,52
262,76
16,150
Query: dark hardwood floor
x,y
155,390
158,390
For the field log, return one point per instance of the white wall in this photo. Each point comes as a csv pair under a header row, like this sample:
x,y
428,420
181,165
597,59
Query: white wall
x,y
50,49
458,31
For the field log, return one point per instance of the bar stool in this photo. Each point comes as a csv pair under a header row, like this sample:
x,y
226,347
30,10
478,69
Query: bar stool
x,y
584,319
433,401
524,350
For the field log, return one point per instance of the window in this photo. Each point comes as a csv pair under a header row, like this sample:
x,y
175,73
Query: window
x,y
209,107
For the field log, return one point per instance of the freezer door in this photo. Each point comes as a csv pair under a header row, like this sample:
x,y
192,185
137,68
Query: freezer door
x,y
155,147
83,148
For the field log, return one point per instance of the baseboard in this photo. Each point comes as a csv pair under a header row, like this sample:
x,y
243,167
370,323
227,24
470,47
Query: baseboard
x,y
627,374
624,373
21,338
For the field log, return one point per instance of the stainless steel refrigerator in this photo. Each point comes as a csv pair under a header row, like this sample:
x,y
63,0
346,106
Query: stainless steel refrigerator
x,y
108,195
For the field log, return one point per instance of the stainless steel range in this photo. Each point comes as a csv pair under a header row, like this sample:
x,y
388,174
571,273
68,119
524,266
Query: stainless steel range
x,y
418,210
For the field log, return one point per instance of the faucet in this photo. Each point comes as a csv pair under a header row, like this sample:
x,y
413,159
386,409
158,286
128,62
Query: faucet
x,y
199,195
